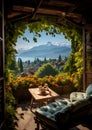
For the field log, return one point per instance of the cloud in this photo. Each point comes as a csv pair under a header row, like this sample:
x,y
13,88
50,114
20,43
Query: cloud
x,y
58,40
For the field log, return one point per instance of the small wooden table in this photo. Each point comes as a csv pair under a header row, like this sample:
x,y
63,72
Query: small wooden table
x,y
41,98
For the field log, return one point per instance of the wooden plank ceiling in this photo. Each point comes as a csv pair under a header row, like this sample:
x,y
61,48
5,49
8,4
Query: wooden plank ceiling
x,y
75,11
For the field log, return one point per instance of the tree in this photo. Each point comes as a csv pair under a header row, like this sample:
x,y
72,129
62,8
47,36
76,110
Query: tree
x,y
28,62
65,59
20,64
13,66
46,70
59,58
45,60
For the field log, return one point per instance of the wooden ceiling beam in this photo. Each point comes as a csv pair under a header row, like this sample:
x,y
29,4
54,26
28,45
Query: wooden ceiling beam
x,y
71,9
60,3
45,11
58,13
23,17
23,10
19,8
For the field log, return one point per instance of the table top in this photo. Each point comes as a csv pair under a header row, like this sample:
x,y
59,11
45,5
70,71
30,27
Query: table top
x,y
38,96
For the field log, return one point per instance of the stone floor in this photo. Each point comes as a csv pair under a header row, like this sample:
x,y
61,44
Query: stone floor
x,y
27,121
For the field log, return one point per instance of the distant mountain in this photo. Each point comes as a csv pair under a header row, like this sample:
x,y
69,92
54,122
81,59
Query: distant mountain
x,y
48,50
19,51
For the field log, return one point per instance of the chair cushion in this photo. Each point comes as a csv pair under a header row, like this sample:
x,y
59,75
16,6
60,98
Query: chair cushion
x,y
89,91
75,96
50,110
63,114
74,113
46,114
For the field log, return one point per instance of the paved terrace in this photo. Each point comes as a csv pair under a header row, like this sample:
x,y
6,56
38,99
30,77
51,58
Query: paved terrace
x,y
28,123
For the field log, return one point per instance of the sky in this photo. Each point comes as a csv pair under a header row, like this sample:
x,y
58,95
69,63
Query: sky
x,y
59,39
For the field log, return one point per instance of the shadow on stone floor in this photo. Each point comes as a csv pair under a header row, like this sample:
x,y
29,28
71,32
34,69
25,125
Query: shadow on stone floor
x,y
27,121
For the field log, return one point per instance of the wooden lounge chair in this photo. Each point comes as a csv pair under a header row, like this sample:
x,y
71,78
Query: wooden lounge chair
x,y
64,114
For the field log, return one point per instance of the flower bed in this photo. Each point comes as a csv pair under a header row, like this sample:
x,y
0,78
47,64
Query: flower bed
x,y
62,84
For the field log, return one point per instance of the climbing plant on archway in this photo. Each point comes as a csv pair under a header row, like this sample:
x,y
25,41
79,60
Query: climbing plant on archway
x,y
51,27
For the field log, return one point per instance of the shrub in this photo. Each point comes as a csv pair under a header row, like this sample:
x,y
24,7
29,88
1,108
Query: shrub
x,y
46,70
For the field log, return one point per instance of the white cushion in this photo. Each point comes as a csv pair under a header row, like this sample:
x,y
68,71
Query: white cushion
x,y
75,96
89,90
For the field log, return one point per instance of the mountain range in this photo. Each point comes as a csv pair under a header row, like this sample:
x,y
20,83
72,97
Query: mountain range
x,y
49,50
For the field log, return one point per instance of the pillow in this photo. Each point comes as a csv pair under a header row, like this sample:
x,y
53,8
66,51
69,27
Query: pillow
x,y
89,91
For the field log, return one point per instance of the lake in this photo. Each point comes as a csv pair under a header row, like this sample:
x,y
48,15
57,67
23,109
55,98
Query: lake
x,y
29,58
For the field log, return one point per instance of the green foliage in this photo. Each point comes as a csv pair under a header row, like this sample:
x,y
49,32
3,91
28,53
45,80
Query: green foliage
x,y
46,70
79,61
10,112
12,66
61,69
70,65
14,69
20,64
11,36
